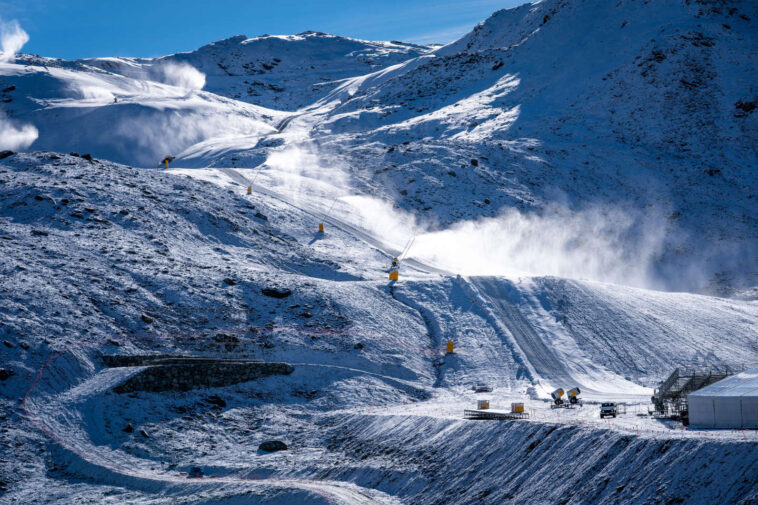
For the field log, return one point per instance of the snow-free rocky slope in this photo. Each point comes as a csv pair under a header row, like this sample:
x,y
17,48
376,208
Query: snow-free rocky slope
x,y
554,165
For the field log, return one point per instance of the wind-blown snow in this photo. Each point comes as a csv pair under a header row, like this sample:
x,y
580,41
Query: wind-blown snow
x,y
15,136
181,75
12,39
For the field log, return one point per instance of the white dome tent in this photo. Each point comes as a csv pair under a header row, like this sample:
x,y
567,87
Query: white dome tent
x,y
729,403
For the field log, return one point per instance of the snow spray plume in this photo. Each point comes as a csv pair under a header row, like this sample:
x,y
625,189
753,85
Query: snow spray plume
x,y
601,243
148,136
181,75
12,39
303,167
598,243
15,137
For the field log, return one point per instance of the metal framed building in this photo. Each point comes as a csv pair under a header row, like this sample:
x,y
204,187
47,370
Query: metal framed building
x,y
728,403
670,398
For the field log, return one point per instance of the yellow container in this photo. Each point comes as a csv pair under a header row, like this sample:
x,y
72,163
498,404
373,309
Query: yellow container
x,y
321,227
450,347
517,408
393,275
482,404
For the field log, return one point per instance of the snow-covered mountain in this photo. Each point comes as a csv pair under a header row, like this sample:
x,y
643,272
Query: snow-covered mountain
x,y
284,72
548,181
640,105
639,108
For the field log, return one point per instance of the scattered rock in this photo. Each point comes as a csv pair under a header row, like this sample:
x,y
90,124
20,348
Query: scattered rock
x,y
216,401
229,281
358,346
5,154
87,157
146,319
261,216
39,233
23,345
128,429
5,374
8,344
9,89
306,315
144,433
276,292
745,106
273,446
475,162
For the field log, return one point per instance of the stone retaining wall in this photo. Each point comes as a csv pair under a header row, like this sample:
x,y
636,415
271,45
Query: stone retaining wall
x,y
191,374
122,360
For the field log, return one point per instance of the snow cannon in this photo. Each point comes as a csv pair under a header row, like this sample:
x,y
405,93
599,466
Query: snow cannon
x,y
573,395
249,190
321,227
167,160
394,273
557,396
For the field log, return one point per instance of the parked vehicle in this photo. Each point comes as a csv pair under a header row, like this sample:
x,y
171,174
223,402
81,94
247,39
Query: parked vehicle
x,y
482,388
608,409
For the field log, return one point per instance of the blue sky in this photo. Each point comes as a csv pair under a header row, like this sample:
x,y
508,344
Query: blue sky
x,y
86,28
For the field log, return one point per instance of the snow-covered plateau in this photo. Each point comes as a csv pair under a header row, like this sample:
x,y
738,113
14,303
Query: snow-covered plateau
x,y
570,189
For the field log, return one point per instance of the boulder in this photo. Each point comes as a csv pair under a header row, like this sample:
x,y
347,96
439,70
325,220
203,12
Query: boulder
x,y
276,292
273,446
